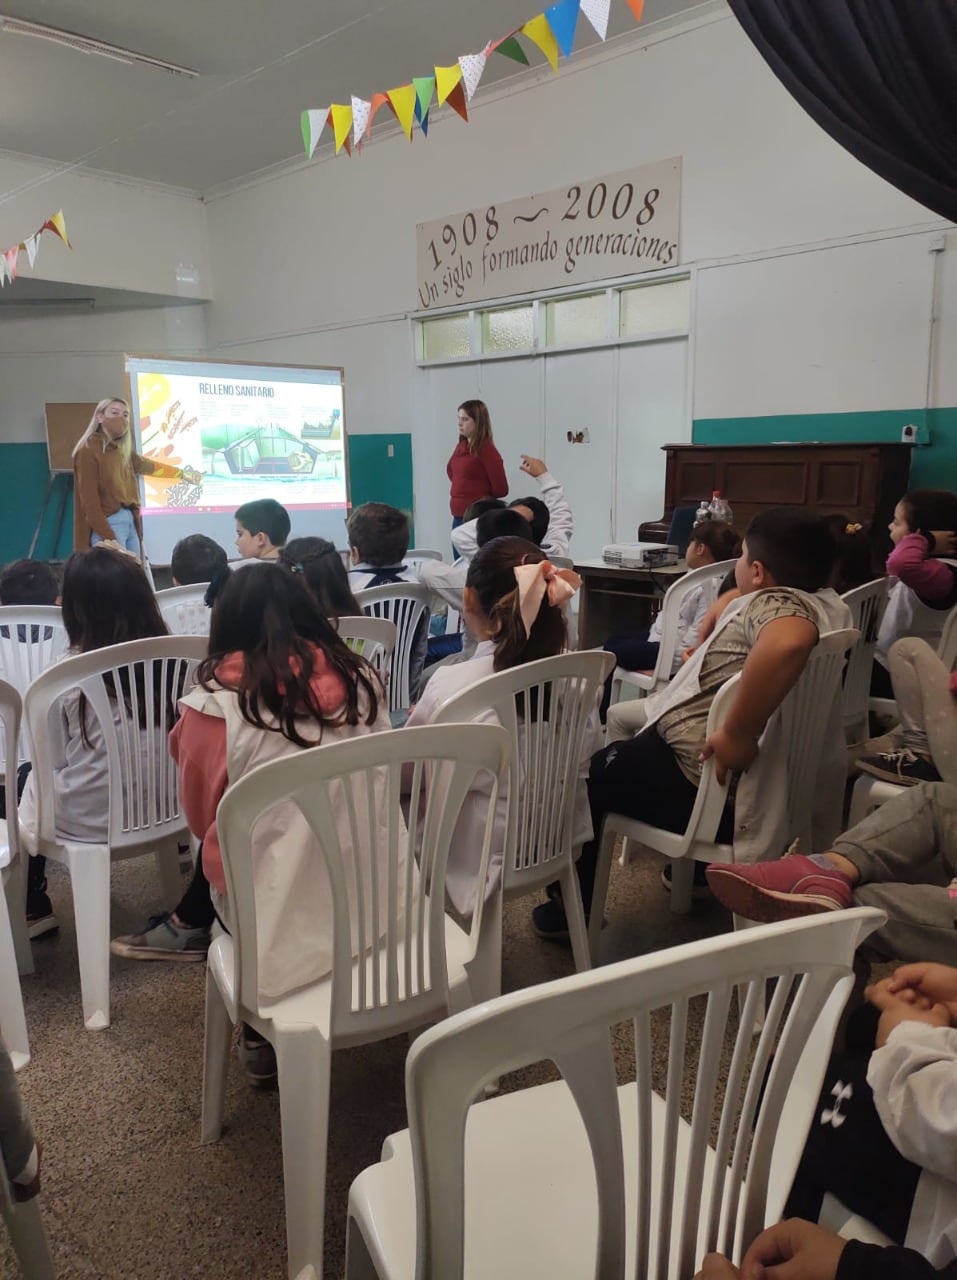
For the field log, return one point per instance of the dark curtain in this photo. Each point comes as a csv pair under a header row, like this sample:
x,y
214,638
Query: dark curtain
x,y
879,75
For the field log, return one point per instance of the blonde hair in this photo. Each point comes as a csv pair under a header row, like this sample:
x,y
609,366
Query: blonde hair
x,y
125,442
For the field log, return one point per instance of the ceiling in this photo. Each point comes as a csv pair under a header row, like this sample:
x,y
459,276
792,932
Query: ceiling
x,y
261,63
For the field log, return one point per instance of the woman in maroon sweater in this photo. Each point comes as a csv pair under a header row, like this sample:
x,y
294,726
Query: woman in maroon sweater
x,y
475,468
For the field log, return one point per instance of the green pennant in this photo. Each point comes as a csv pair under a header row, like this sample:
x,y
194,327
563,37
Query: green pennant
x,y
424,91
512,49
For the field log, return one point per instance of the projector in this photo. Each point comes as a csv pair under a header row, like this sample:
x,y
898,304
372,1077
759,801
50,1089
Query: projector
x,y
640,555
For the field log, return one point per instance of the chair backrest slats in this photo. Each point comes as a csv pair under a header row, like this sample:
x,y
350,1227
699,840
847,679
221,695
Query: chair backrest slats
x,y
386,877
407,605
371,638
687,1202
674,598
867,604
546,708
184,609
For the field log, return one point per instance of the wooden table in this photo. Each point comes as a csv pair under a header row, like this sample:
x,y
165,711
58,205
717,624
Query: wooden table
x,y
614,600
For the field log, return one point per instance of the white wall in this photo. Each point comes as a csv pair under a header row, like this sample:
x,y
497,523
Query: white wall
x,y
124,235
80,357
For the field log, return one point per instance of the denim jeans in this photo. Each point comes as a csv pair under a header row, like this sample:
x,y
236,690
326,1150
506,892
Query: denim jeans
x,y
124,530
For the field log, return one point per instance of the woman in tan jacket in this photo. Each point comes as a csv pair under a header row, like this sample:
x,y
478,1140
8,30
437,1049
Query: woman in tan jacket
x,y
106,499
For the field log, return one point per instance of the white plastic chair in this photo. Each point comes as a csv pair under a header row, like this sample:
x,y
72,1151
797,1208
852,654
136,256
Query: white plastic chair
x,y
413,960
675,596
144,813
946,651
546,707
184,609
27,1235
867,604
371,638
423,553
407,605
803,738
582,1177
32,638
16,956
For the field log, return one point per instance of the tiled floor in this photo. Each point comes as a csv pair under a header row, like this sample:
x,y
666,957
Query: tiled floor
x,y
129,1193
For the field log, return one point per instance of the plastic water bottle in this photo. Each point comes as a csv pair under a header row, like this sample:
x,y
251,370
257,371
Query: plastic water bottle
x,y
718,509
703,512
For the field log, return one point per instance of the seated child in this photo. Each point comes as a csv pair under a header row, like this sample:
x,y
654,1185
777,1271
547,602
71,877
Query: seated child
x,y
262,528
321,566
197,559
891,1160
29,582
767,633
515,608
925,586
711,542
277,680
902,858
107,600
549,516
378,540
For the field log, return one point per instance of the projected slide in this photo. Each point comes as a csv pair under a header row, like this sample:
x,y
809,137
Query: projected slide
x,y
249,431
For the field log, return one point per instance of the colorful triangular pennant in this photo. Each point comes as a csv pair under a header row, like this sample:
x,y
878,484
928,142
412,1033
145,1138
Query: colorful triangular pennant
x,y
361,111
637,7
422,117
403,101
11,257
509,47
446,78
424,93
456,101
57,224
341,123
378,100
563,19
312,124
596,11
540,33
472,64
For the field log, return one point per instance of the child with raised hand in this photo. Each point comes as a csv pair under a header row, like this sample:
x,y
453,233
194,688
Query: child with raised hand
x,y
514,603
924,534
106,600
549,516
325,575
767,633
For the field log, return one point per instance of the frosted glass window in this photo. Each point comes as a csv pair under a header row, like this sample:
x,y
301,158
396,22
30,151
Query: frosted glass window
x,y
655,308
509,329
445,337
580,319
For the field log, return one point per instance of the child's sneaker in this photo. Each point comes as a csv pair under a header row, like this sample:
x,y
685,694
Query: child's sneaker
x,y
790,886
163,940
906,768
40,918
257,1058
699,887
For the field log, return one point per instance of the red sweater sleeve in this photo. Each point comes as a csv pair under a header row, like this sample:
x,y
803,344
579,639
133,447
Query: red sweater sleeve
x,y
198,745
931,580
495,469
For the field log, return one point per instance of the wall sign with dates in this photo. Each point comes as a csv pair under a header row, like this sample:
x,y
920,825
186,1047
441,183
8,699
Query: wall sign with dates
x,y
620,225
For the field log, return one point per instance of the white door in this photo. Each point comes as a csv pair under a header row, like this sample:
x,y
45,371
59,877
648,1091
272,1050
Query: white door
x,y
652,411
512,389
579,397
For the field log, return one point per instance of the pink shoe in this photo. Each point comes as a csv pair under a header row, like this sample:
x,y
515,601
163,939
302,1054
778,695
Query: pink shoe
x,y
789,886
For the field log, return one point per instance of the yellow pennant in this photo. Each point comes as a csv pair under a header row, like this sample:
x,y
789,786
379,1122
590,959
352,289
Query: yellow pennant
x,y
540,33
446,78
403,104
341,123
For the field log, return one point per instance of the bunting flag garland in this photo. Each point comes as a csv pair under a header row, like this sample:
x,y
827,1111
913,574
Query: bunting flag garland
x,y
597,11
563,19
541,34
9,258
551,32
403,102
312,124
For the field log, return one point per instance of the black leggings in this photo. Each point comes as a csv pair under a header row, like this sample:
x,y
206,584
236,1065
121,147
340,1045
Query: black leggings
x,y
195,908
641,779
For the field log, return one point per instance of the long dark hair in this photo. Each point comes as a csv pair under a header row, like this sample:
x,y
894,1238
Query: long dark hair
x,y
107,600
272,618
321,565
477,410
491,576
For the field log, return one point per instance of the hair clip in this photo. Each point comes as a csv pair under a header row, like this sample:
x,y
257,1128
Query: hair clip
x,y
853,528
296,568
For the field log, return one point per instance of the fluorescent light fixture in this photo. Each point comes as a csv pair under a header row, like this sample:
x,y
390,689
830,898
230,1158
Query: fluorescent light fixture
x,y
86,44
